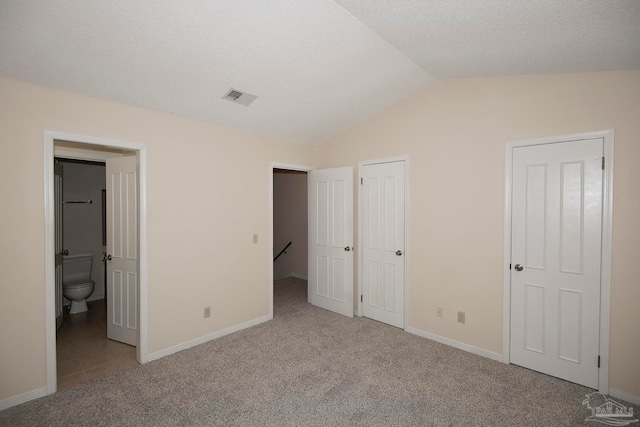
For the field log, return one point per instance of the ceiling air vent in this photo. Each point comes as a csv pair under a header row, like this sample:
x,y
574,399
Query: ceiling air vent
x,y
239,97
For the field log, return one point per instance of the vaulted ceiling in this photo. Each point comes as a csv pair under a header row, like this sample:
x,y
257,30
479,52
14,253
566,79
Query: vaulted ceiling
x,y
317,67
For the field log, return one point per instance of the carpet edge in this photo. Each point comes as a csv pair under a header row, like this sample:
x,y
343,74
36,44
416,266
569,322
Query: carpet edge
x,y
206,338
456,344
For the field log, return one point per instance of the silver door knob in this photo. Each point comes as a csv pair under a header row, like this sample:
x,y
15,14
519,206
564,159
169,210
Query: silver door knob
x,y
399,252
347,248
519,267
108,257
64,252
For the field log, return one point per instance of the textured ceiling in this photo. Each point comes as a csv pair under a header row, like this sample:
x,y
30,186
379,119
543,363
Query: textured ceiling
x,y
474,38
318,67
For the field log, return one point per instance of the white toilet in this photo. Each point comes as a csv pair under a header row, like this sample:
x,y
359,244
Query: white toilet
x,y
76,281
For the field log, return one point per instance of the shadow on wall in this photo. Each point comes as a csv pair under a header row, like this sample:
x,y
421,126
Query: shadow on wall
x,y
290,223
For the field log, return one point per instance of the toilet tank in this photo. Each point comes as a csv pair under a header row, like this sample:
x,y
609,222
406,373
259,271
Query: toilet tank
x,y
76,268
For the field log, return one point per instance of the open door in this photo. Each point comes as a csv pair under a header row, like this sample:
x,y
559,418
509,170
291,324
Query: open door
x,y
331,239
122,285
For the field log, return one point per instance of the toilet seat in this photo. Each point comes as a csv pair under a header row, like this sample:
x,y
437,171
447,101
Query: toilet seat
x,y
78,285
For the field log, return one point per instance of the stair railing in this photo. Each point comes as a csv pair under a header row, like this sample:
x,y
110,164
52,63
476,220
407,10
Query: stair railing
x,y
282,251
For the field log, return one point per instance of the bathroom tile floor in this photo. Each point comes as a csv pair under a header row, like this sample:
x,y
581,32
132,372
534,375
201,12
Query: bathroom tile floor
x,y
83,350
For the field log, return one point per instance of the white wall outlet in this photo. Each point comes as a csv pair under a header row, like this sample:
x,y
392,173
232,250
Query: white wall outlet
x,y
439,312
255,238
207,312
461,317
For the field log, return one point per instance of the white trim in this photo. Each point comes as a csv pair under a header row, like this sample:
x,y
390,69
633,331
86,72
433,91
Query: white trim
x,y
457,344
142,348
285,166
605,267
291,167
17,400
49,266
607,224
96,156
624,396
201,340
405,159
49,244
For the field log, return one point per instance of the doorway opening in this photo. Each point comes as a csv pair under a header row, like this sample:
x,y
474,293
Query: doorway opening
x,y
288,201
290,236
89,150
83,349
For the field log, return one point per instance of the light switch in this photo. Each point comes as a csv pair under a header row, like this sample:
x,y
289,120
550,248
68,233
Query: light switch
x,y
255,238
461,317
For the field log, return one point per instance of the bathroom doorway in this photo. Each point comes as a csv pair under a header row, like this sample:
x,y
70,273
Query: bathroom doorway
x,y
82,222
80,349
83,350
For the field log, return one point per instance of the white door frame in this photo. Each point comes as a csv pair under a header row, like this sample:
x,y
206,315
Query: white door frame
x,y
286,166
605,273
362,164
49,243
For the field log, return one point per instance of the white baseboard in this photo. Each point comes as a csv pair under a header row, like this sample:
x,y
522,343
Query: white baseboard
x,y
17,400
298,275
624,396
457,344
192,343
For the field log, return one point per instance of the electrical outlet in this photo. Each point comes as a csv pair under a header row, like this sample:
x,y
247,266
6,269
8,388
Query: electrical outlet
x,y
207,312
461,317
255,238
439,312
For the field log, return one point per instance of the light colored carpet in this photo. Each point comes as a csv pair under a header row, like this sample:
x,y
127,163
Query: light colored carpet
x,y
311,367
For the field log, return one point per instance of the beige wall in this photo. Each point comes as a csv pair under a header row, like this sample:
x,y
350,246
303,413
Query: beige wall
x,y
208,191
455,133
290,223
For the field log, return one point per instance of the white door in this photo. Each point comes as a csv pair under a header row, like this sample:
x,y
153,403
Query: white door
x,y
383,246
122,249
331,239
555,255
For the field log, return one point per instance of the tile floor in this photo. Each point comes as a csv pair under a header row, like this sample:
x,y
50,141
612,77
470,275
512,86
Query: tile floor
x,y
83,350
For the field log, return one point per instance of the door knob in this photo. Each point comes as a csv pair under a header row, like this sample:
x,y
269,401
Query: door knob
x,y
64,252
107,258
519,267
399,252
347,248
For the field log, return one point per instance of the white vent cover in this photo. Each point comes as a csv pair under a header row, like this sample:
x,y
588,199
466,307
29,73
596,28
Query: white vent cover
x,y
239,97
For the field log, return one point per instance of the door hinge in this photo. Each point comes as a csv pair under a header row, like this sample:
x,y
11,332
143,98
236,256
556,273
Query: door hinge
x,y
603,163
361,298
598,361
361,181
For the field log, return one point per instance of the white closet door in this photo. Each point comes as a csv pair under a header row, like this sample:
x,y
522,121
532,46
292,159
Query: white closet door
x,y
383,251
556,253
